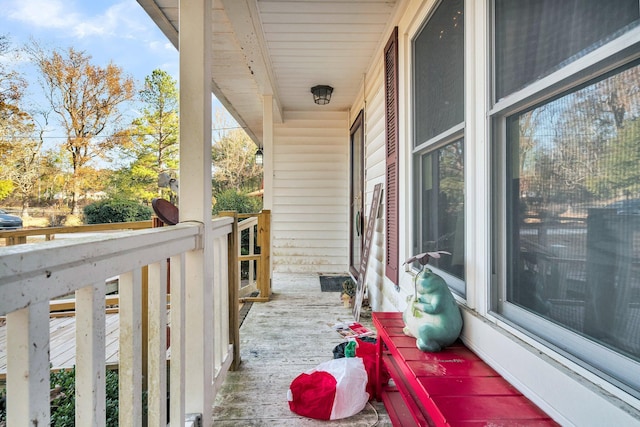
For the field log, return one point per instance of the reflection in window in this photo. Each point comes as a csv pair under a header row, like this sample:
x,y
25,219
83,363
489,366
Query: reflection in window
x,y
573,220
442,198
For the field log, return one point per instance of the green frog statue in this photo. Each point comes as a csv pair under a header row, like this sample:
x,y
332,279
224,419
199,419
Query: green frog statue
x,y
432,315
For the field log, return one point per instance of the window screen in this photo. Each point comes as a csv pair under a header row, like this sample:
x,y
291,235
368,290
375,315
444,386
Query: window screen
x,y
573,213
535,37
439,72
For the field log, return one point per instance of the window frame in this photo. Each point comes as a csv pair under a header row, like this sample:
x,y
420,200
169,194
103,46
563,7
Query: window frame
x,y
419,149
614,55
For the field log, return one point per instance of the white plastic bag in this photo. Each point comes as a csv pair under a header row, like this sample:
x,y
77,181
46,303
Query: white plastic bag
x,y
311,393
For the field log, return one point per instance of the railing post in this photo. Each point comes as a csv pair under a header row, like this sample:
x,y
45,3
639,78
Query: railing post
x,y
130,369
264,240
177,366
28,365
90,356
157,344
17,240
234,287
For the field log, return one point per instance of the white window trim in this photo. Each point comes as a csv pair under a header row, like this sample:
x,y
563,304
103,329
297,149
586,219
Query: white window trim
x,y
597,395
566,391
555,83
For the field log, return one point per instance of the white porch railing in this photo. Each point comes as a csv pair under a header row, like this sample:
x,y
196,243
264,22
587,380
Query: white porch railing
x,y
32,275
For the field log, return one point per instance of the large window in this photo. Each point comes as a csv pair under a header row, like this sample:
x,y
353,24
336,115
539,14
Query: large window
x,y
438,70
568,214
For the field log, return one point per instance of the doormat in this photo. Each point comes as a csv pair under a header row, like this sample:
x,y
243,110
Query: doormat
x,y
332,283
245,308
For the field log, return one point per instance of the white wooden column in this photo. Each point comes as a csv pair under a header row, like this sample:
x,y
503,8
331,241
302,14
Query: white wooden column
x,y
28,365
90,356
267,143
195,199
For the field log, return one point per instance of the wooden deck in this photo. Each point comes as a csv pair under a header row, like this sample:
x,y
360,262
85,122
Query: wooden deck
x,y
281,339
62,332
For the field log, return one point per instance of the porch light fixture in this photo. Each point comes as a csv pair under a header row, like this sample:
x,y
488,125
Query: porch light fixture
x,y
321,94
259,156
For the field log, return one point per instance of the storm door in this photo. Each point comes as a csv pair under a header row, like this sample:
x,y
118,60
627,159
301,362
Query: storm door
x,y
356,205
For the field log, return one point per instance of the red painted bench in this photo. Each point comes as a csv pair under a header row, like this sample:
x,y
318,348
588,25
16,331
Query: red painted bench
x,y
451,388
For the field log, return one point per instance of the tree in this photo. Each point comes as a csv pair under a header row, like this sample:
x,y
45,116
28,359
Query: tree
x,y
158,128
87,100
234,163
12,85
137,181
234,200
155,134
21,158
20,141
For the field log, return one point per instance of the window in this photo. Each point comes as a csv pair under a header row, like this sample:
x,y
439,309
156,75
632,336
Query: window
x,y
568,215
441,175
438,153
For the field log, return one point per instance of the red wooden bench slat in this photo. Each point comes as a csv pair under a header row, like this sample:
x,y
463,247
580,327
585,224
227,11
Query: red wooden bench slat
x,y
464,386
422,412
453,387
398,411
483,408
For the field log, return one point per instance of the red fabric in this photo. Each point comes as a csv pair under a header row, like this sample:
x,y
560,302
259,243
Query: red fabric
x,y
313,395
367,352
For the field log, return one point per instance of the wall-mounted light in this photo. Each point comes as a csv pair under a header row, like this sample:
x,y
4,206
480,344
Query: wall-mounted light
x,y
321,94
259,156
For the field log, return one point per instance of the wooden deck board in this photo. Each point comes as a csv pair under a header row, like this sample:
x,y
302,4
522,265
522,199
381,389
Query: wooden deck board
x,y
62,345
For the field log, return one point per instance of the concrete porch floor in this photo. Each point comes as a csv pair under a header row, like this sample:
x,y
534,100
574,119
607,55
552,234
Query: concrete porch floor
x,y
281,339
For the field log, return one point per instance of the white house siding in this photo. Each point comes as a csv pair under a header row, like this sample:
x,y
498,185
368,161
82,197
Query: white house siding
x,y
310,232
381,297
569,393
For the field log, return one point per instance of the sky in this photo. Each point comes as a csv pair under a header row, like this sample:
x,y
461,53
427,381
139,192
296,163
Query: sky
x,y
119,31
108,30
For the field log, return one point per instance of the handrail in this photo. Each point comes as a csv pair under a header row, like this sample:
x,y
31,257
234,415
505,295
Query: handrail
x,y
14,237
32,275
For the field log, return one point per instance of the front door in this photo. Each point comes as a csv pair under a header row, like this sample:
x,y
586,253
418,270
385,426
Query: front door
x,y
356,210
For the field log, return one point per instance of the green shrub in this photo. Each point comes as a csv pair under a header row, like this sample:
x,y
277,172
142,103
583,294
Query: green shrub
x,y
63,408
63,403
233,200
116,210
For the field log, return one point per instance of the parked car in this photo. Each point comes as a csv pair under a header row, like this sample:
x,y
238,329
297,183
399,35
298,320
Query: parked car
x,y
9,222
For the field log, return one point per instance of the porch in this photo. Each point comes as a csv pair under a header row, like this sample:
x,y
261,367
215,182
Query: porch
x,y
280,339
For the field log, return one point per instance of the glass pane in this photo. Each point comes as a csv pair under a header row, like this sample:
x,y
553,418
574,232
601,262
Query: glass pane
x,y
535,37
442,220
574,211
439,72
356,207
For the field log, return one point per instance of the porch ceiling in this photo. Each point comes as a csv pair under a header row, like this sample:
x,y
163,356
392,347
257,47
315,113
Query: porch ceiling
x,y
283,48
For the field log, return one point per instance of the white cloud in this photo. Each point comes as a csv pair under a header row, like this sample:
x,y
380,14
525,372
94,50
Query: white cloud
x,y
121,20
42,13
